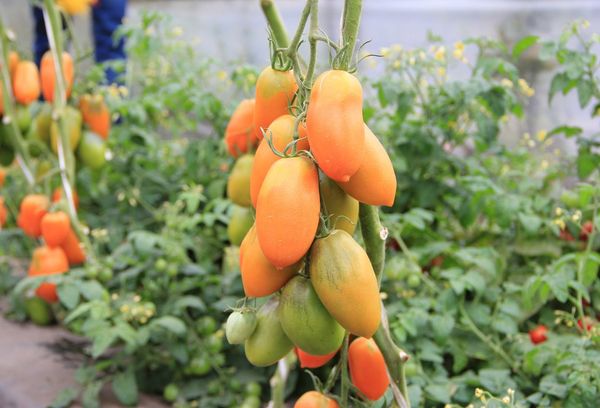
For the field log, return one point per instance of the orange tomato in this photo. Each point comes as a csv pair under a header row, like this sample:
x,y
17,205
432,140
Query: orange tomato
x,y
48,261
375,181
274,94
48,74
32,210
13,60
287,210
239,133
310,360
335,126
281,132
57,196
345,282
26,82
2,172
259,277
314,399
3,213
95,114
55,228
367,368
73,249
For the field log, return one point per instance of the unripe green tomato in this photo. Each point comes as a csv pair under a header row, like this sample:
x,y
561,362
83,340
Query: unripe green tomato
x,y
251,401
91,271
206,326
414,280
570,198
253,388
411,368
239,326
172,270
105,274
235,384
218,359
214,387
214,344
171,392
200,365
160,265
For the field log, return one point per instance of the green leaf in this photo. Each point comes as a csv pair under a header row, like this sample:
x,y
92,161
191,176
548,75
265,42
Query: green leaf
x,y
537,248
192,302
585,90
102,342
587,162
64,399
68,294
124,385
523,44
559,83
91,395
550,384
530,222
439,392
172,324
590,268
91,290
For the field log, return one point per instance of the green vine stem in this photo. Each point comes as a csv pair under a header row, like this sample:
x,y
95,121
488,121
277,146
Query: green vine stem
x,y
275,23
350,24
66,160
345,390
22,155
279,380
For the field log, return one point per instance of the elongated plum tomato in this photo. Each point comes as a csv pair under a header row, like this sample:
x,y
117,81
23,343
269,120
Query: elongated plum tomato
x,y
259,277
343,277
48,74
341,208
287,210
240,325
281,132
95,114
268,343
3,213
26,82
308,360
55,228
335,124
32,210
314,399
238,183
274,93
72,248
48,261
306,321
239,133
367,368
239,224
375,181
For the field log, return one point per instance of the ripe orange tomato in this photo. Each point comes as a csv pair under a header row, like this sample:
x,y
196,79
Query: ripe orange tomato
x,y
26,82
274,94
312,361
13,60
2,172
259,277
95,114
367,368
281,132
375,181
287,210
3,213
55,228
48,261
239,133
73,249
343,277
314,399
335,126
48,74
32,210
57,196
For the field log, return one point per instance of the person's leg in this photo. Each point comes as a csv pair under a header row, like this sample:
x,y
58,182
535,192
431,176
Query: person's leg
x,y
107,17
40,39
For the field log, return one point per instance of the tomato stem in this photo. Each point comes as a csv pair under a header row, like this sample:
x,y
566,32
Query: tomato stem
x,y
350,25
344,371
21,153
275,23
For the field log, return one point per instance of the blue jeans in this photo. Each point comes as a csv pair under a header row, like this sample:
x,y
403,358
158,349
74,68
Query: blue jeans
x,y
107,16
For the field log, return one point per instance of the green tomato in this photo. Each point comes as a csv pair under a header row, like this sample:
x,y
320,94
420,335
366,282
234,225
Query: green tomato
x,y
239,326
240,222
200,365
160,265
92,150
411,368
253,388
171,392
218,359
38,311
23,118
206,326
213,387
105,274
414,280
251,401
91,271
570,198
172,270
235,384
214,344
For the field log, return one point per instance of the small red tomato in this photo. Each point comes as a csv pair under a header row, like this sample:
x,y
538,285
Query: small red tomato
x,y
566,235
589,323
586,230
537,335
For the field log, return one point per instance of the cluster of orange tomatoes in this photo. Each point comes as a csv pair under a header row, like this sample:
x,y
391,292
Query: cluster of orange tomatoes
x,y
305,181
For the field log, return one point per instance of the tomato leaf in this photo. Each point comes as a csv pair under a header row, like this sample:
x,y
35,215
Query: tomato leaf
x,y
124,385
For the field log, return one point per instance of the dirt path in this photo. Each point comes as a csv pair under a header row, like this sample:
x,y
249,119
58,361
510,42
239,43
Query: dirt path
x,y
35,365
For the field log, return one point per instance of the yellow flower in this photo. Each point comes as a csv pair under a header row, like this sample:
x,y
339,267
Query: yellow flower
x,y
396,64
585,24
222,75
531,143
411,61
561,224
422,55
459,50
541,135
384,52
507,83
558,211
441,71
506,400
478,392
544,164
397,48
440,53
577,216
177,31
510,392
526,136
525,88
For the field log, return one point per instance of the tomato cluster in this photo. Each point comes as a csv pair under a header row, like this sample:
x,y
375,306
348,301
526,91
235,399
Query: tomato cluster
x,y
305,181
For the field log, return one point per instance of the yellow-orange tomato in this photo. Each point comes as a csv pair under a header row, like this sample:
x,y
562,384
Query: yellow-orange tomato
x,y
367,368
74,7
95,114
287,210
375,181
314,399
238,182
26,82
73,249
274,94
259,277
13,60
239,133
55,228
48,261
32,210
3,213
2,173
281,132
341,209
335,124
345,282
48,74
